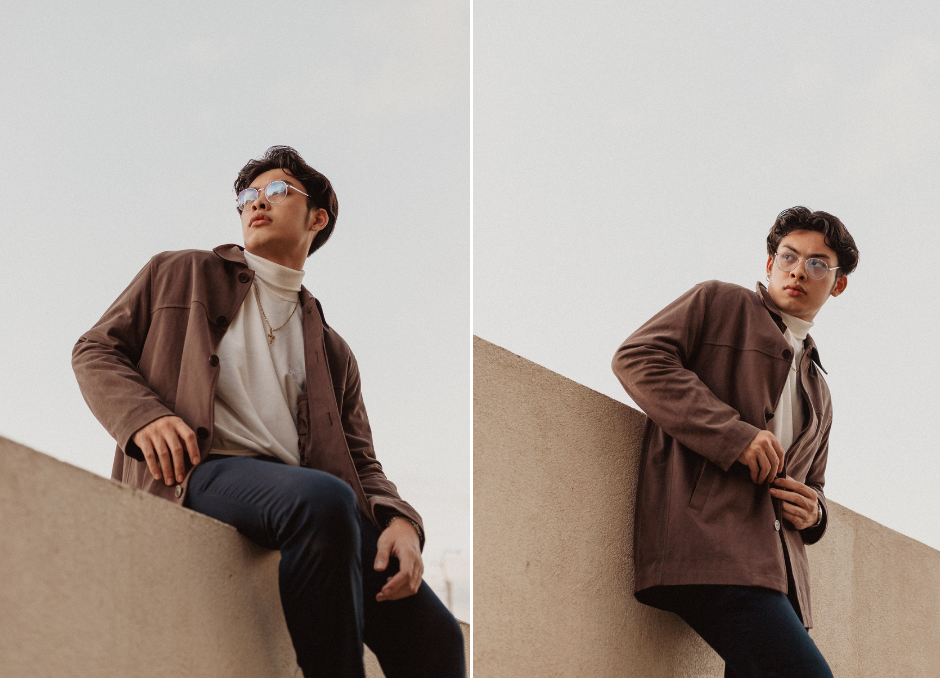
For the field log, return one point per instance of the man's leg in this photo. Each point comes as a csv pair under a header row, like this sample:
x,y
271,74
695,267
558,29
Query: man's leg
x,y
415,636
755,630
313,519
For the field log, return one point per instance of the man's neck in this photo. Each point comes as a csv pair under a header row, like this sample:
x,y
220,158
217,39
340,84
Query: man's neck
x,y
293,260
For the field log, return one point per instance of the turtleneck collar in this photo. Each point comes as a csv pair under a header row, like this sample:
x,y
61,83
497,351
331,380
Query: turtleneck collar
x,y
798,327
275,276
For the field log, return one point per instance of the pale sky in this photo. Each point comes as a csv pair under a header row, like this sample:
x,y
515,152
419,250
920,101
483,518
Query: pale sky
x,y
124,126
624,152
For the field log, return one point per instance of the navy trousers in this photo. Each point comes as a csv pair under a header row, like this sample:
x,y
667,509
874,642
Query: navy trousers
x,y
755,630
326,579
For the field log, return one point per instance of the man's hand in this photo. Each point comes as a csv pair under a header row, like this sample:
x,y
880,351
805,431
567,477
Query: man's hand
x,y
162,442
800,504
400,539
763,456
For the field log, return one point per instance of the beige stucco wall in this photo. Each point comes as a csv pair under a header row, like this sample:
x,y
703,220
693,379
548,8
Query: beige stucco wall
x,y
97,579
554,483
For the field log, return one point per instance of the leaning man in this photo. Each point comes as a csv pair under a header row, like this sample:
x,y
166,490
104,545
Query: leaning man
x,y
734,455
227,392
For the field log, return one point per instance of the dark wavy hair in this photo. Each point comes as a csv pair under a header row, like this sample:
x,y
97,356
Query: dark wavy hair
x,y
322,195
836,235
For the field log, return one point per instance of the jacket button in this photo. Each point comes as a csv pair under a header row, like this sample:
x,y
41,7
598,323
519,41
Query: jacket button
x,y
202,433
243,277
777,525
788,354
214,360
768,416
179,491
222,321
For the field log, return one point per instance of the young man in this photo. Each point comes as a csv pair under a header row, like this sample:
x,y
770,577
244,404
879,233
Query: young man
x,y
734,456
228,392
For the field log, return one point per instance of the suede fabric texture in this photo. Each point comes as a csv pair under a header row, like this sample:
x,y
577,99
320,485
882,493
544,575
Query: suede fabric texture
x,y
709,370
152,354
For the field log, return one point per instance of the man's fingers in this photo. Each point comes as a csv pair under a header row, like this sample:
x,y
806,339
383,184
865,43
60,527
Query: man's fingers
x,y
755,469
800,518
189,440
151,459
166,462
791,498
395,588
766,466
779,451
412,566
165,442
176,453
796,486
402,585
382,553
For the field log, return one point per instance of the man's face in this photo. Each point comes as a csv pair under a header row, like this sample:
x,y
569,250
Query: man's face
x,y
281,232
794,292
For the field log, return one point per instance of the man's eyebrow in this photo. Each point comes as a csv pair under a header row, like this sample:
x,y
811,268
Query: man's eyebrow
x,y
258,188
820,255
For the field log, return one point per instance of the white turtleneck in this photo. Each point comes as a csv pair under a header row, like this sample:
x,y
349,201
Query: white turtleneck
x,y
259,381
788,417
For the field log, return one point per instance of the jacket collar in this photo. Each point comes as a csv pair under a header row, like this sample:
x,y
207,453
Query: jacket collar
x,y
236,254
233,253
808,344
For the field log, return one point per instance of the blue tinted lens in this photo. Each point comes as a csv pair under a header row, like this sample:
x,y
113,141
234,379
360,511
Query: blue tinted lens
x,y
817,269
245,197
276,191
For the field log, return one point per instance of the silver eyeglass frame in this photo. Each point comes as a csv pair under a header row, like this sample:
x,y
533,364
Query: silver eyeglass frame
x,y
806,260
266,195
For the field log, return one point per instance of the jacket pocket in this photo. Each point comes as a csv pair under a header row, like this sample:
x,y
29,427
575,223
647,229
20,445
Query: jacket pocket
x,y
703,486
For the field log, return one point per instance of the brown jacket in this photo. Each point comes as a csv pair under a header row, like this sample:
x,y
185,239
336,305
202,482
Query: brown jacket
x,y
709,370
153,354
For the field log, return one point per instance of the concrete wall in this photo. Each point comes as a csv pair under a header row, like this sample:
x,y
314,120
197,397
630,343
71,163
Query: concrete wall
x,y
100,580
554,483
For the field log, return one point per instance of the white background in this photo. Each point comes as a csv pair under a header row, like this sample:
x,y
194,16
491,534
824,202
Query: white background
x,y
123,128
624,152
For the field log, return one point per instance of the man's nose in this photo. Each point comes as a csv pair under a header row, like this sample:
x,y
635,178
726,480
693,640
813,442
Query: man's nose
x,y
799,271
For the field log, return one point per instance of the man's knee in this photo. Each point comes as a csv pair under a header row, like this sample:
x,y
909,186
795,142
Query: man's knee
x,y
327,506
452,635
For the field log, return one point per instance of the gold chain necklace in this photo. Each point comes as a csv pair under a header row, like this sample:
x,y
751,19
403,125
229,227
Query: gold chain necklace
x,y
273,329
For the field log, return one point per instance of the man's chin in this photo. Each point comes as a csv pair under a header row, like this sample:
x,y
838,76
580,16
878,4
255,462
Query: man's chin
x,y
795,306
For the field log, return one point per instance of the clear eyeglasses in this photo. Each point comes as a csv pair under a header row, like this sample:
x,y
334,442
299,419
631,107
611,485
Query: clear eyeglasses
x,y
815,268
275,192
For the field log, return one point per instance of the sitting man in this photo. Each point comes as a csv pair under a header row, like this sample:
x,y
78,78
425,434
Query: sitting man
x,y
734,455
227,392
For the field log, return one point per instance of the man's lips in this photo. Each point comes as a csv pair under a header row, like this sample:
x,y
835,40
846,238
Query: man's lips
x,y
259,220
794,290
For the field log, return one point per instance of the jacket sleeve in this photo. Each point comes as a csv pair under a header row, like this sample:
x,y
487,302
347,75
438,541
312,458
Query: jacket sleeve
x,y
381,492
816,479
651,365
105,361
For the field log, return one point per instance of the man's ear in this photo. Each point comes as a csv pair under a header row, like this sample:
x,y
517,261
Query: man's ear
x,y
770,264
317,219
839,287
